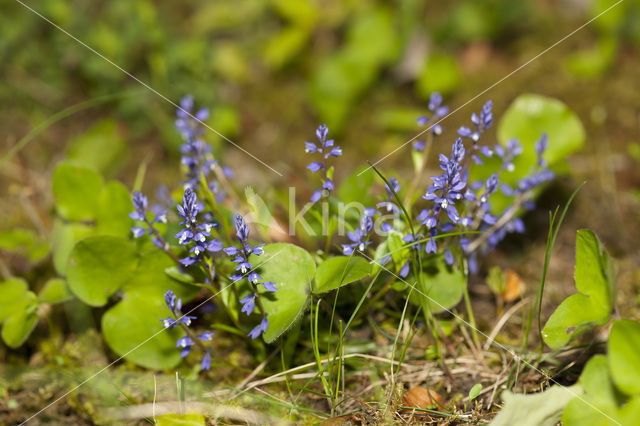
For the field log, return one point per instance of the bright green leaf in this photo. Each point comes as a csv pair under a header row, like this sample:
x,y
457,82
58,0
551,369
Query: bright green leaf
x,y
340,270
25,242
18,326
292,269
63,237
598,405
624,356
114,208
594,302
440,288
13,296
76,191
55,291
475,391
99,266
440,74
132,329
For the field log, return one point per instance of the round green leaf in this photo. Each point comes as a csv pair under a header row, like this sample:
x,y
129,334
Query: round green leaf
x,y
528,117
440,288
18,326
63,237
475,391
340,270
76,191
292,269
114,208
132,329
624,356
99,266
55,291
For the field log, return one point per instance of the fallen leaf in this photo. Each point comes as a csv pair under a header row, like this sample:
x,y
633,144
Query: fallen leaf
x,y
421,398
514,286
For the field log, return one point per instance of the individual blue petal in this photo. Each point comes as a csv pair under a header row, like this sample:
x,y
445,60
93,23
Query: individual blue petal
x,y
205,364
248,304
214,245
448,257
269,285
317,194
310,147
404,271
231,251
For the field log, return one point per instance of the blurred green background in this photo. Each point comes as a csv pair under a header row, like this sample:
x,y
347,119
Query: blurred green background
x,y
271,70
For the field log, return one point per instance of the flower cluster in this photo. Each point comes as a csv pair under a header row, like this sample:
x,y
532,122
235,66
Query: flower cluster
x,y
437,111
185,343
456,204
240,256
196,153
195,233
140,204
326,149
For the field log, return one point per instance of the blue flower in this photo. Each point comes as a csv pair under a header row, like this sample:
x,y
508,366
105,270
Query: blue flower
x,y
185,343
194,231
437,111
481,123
390,206
359,237
244,268
326,148
259,329
205,364
508,153
140,204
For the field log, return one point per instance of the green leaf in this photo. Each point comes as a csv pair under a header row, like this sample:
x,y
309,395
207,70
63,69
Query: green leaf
x,y
132,329
475,391
55,291
594,302
99,266
13,296
76,191
25,242
292,269
191,419
19,326
340,270
538,409
100,148
528,117
18,308
441,288
63,237
114,208
599,396
356,189
136,318
440,74
624,356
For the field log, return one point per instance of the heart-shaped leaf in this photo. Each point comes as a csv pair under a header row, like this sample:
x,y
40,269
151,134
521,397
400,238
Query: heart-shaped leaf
x,y
99,266
592,305
624,356
340,270
292,269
